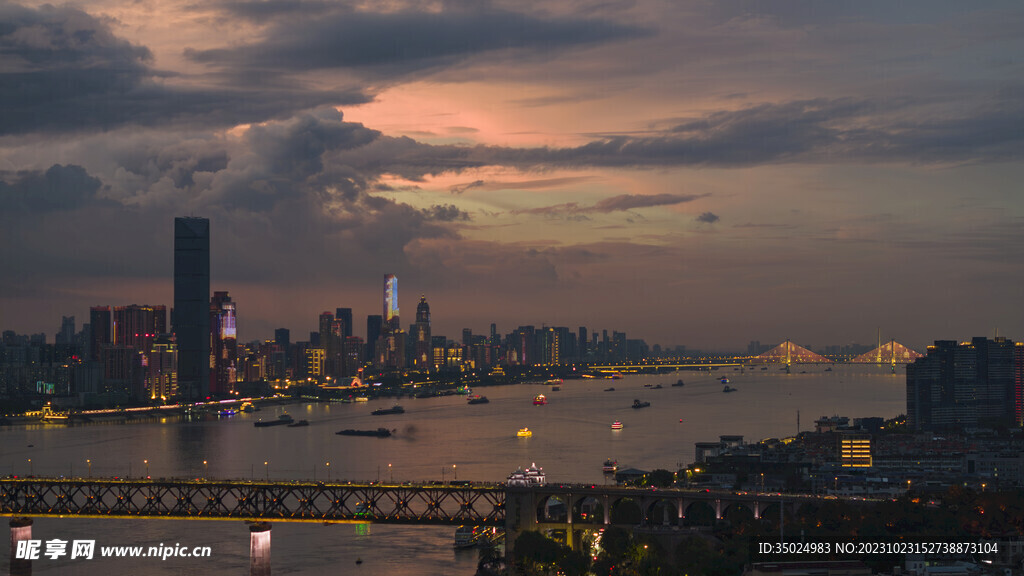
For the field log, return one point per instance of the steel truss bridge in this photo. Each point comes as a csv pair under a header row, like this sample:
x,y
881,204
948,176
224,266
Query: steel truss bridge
x,y
478,505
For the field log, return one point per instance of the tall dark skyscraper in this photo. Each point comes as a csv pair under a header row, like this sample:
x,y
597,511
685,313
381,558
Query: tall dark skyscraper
x,y
374,326
99,325
191,316
345,315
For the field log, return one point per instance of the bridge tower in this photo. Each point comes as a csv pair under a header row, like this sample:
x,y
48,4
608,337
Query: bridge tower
x,y
21,529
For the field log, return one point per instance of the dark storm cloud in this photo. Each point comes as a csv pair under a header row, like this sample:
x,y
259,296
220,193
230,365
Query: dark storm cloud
x,y
402,40
708,218
62,69
619,203
60,188
819,130
445,213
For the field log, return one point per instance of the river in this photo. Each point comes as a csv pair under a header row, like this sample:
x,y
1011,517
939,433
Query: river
x,y
437,438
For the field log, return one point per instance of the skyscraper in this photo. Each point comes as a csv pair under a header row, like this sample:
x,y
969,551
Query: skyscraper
x,y
345,315
423,354
224,344
391,302
374,326
191,315
99,325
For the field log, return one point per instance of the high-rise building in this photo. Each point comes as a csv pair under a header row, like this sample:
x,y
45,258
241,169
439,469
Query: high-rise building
x,y
423,351
963,385
345,316
223,344
137,326
99,325
374,327
162,369
391,302
191,314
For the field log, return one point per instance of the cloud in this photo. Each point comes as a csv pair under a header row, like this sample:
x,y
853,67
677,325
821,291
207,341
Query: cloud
x,y
708,218
400,40
445,213
60,188
619,203
65,70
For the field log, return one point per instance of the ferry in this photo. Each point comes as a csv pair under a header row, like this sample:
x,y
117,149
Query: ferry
x,y
610,465
247,407
362,399
477,399
609,389
679,383
379,432
281,420
524,433
616,376
396,409
299,424
616,425
540,400
724,380
468,536
532,476
226,412
638,404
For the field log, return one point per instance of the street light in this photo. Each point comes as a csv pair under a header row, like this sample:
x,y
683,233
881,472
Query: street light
x,y
455,472
146,462
391,474
89,464
328,472
30,473
205,470
266,465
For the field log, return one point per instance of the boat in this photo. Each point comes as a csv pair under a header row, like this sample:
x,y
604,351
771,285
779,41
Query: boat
x,y
540,400
829,369
477,399
524,433
379,432
639,404
658,387
247,407
616,425
532,476
609,389
724,380
468,536
556,388
226,412
281,420
610,465
554,382
728,389
362,399
679,383
616,376
648,385
298,424
396,409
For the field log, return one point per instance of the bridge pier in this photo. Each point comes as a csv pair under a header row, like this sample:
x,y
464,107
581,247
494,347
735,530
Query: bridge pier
x,y
681,511
259,549
21,529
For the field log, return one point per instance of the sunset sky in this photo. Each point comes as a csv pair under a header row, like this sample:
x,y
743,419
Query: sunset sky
x,y
702,173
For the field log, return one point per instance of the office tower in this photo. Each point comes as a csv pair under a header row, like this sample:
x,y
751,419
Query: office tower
x,y
282,336
223,344
423,352
494,341
391,302
374,326
345,315
66,336
467,336
581,342
963,385
191,315
162,369
137,326
336,349
99,322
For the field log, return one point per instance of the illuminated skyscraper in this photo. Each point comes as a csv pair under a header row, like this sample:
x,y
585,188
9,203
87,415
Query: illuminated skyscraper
x,y
391,302
191,315
422,349
224,344
137,326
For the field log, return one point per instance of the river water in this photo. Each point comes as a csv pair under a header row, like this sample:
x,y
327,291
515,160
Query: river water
x,y
437,438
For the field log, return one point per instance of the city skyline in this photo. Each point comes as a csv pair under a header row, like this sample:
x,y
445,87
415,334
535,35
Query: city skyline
x,y
690,173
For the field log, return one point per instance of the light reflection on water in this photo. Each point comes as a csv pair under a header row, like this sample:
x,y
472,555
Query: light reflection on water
x,y
437,438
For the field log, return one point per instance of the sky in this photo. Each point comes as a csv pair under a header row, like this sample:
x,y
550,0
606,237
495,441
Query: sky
x,y
691,172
